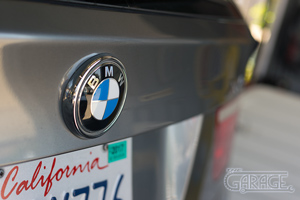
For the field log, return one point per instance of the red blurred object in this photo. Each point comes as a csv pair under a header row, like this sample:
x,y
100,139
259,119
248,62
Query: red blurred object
x,y
226,118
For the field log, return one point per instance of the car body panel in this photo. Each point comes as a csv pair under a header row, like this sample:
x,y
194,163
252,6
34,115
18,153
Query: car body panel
x,y
177,68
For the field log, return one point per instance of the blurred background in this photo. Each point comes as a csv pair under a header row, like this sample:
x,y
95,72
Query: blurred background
x,y
267,136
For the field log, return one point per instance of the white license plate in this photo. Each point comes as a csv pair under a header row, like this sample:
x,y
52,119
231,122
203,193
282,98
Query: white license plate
x,y
88,174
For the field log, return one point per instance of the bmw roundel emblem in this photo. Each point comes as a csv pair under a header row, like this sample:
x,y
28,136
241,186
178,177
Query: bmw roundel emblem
x,y
105,99
93,95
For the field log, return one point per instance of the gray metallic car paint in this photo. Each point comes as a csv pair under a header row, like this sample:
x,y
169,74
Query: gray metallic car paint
x,y
163,164
202,185
177,68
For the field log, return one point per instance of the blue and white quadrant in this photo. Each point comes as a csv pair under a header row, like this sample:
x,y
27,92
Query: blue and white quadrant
x,y
105,99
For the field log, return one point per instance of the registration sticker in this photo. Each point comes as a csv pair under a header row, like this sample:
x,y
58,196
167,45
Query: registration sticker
x,y
101,172
117,151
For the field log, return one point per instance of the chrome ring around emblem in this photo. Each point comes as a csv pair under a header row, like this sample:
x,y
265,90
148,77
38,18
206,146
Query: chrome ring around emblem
x,y
93,95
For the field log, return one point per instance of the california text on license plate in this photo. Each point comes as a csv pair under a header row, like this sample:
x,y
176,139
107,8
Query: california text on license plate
x,y
88,174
